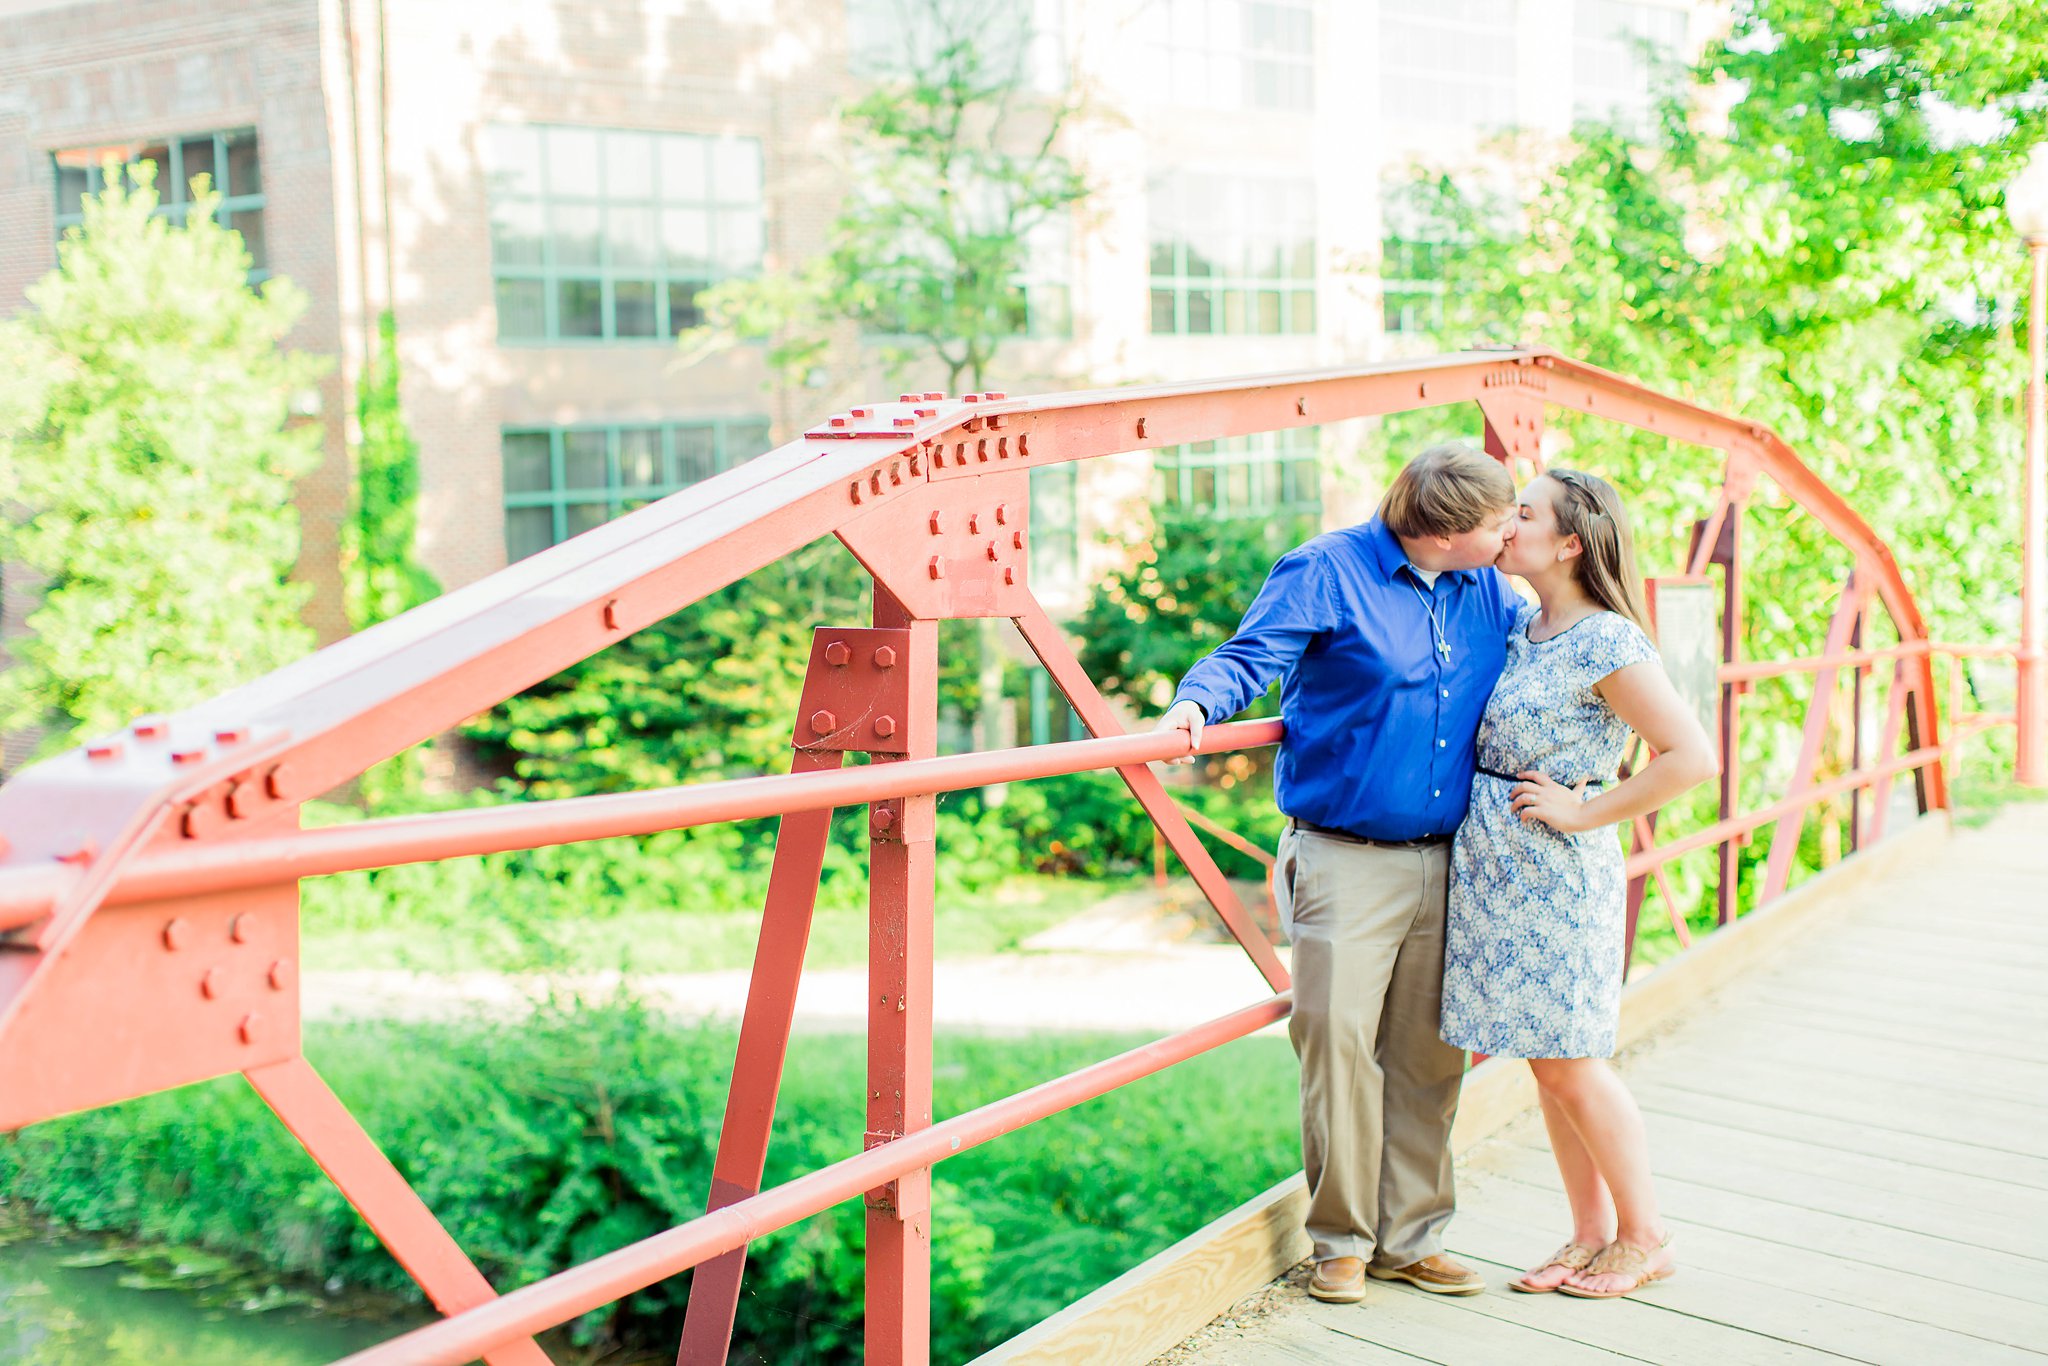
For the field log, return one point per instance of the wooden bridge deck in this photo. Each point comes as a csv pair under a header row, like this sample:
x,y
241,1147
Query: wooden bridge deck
x,y
1852,1146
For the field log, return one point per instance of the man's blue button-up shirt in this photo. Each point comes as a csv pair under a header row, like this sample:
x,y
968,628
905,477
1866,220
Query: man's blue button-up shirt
x,y
1380,724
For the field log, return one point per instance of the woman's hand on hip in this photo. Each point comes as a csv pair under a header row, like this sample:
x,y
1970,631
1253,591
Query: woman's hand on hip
x,y
1541,799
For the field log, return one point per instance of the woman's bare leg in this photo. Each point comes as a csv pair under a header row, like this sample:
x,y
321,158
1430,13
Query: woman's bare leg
x,y
1592,1208
1599,1110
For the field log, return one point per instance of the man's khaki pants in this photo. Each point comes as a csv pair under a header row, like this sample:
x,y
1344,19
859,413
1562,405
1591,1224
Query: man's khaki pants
x,y
1379,1088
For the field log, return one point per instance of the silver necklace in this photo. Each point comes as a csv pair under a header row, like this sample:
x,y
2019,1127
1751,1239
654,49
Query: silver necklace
x,y
1443,646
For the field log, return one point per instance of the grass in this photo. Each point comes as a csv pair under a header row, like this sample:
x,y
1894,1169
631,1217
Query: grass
x,y
677,941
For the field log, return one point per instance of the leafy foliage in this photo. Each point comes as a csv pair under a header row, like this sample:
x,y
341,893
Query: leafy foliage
x,y
148,445
381,574
953,167
590,1127
1832,261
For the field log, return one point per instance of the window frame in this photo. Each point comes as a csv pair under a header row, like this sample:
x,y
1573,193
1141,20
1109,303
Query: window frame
x,y
173,186
1178,470
553,276
618,497
1182,285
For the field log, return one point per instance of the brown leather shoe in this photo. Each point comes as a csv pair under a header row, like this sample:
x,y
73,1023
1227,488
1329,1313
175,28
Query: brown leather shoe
x,y
1439,1275
1340,1280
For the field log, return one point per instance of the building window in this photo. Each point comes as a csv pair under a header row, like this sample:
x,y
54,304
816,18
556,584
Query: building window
x,y
1448,62
1264,474
1055,528
1231,54
1043,297
1616,49
603,235
228,159
562,481
1233,255
1023,41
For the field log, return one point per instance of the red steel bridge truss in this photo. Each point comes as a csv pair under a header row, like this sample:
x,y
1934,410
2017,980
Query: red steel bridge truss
x,y
149,882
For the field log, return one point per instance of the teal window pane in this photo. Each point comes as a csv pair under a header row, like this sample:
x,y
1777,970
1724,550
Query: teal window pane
x,y
528,466
744,441
578,234
197,157
512,161
1162,310
685,168
528,531
736,171
686,241
682,305
696,454
519,233
71,189
584,461
579,308
737,243
1201,311
245,173
522,308
628,166
629,238
639,457
572,162
633,309
583,517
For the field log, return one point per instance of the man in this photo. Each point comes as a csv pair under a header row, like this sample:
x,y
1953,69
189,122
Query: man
x,y
1388,638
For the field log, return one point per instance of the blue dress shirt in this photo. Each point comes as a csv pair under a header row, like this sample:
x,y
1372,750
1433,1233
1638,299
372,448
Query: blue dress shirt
x,y
1380,724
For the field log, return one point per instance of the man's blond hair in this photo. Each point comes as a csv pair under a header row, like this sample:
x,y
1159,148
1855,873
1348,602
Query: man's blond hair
x,y
1446,491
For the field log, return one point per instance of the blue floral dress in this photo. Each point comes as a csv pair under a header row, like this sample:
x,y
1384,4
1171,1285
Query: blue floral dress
x,y
1533,941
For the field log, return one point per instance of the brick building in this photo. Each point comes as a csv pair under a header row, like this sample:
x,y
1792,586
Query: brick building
x,y
536,189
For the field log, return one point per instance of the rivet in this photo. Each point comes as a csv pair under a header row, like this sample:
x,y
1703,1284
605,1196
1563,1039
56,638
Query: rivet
x,y
838,422
823,722
895,472
1023,444
241,928
187,756
209,983
1301,407
863,412
1002,448
938,457
611,615
981,449
993,395
278,782
995,420
906,422
242,801
1016,540
937,522
1009,574
906,398
1141,429
231,735
992,552
883,818
1422,391
103,749
152,728
1002,513
252,1026
80,850
855,489
970,398
885,657
933,396
836,654
938,568
199,820
913,463
974,524
927,412
875,482
280,974
885,726
177,933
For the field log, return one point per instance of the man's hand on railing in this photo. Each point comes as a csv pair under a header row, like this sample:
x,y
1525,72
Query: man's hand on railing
x,y
1187,716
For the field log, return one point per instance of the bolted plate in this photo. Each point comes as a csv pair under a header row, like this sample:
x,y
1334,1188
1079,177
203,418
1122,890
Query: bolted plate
x,y
957,548
857,691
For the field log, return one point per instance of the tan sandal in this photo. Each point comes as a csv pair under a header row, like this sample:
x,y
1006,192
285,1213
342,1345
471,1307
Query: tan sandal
x,y
1620,1259
1572,1257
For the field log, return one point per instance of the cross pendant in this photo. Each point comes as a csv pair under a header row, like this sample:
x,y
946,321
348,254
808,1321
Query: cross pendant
x,y
1444,646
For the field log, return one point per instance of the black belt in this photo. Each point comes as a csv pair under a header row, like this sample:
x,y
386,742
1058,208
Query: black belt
x,y
1425,842
1516,778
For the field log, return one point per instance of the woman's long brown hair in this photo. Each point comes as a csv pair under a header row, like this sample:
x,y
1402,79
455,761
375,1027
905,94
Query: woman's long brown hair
x,y
1590,509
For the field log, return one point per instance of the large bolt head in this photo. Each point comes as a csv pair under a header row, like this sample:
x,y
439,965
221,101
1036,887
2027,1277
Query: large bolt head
x,y
885,726
836,654
885,656
823,722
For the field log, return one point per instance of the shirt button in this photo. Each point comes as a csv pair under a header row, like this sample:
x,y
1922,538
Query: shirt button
x,y
1439,744
1447,692
1438,793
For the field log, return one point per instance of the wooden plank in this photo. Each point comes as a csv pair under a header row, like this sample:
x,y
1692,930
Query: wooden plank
x,y
1934,1070
1288,1341
1932,1018
1437,1327
1161,1300
1874,1023
1995,1126
1809,1296
1798,1226
1840,1135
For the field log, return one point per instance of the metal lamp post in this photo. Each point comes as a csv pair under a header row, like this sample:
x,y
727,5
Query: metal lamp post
x,y
2026,203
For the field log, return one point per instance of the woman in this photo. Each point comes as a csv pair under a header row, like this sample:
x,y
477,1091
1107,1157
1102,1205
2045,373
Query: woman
x,y
1533,947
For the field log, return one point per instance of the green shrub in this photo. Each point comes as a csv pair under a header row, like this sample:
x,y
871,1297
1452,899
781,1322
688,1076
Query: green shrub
x,y
587,1128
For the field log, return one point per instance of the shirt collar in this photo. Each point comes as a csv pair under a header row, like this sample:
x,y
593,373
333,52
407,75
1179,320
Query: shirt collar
x,y
1388,555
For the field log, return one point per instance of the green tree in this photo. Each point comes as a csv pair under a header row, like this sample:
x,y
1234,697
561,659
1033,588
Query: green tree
x,y
382,577
954,165
150,462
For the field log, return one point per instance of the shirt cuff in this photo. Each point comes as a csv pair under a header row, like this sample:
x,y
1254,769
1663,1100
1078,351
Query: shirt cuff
x,y
1200,699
